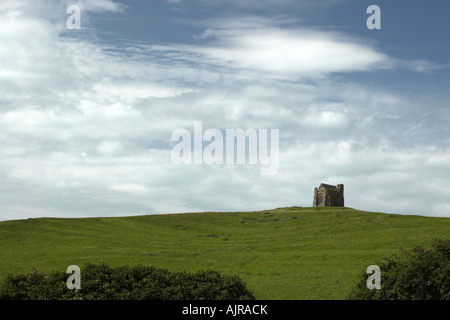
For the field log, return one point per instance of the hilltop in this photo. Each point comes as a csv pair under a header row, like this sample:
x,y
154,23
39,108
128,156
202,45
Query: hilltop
x,y
284,253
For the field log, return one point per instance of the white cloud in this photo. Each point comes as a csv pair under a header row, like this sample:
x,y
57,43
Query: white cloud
x,y
132,188
109,147
98,5
292,52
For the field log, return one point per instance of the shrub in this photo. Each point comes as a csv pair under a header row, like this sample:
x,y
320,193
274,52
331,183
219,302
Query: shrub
x,y
102,282
418,274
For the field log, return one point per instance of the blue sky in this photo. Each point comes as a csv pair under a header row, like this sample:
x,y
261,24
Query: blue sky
x,y
87,115
411,30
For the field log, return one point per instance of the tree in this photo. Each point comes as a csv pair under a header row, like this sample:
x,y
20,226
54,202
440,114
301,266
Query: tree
x,y
418,274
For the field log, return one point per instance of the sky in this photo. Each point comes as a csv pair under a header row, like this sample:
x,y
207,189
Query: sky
x,y
87,115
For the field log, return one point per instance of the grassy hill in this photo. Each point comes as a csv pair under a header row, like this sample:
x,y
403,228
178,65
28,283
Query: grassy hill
x,y
286,253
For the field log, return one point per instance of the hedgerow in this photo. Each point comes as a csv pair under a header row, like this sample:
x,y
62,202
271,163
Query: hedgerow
x,y
102,282
417,274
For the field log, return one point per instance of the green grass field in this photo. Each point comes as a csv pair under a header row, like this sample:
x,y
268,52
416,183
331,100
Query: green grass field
x,y
285,253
